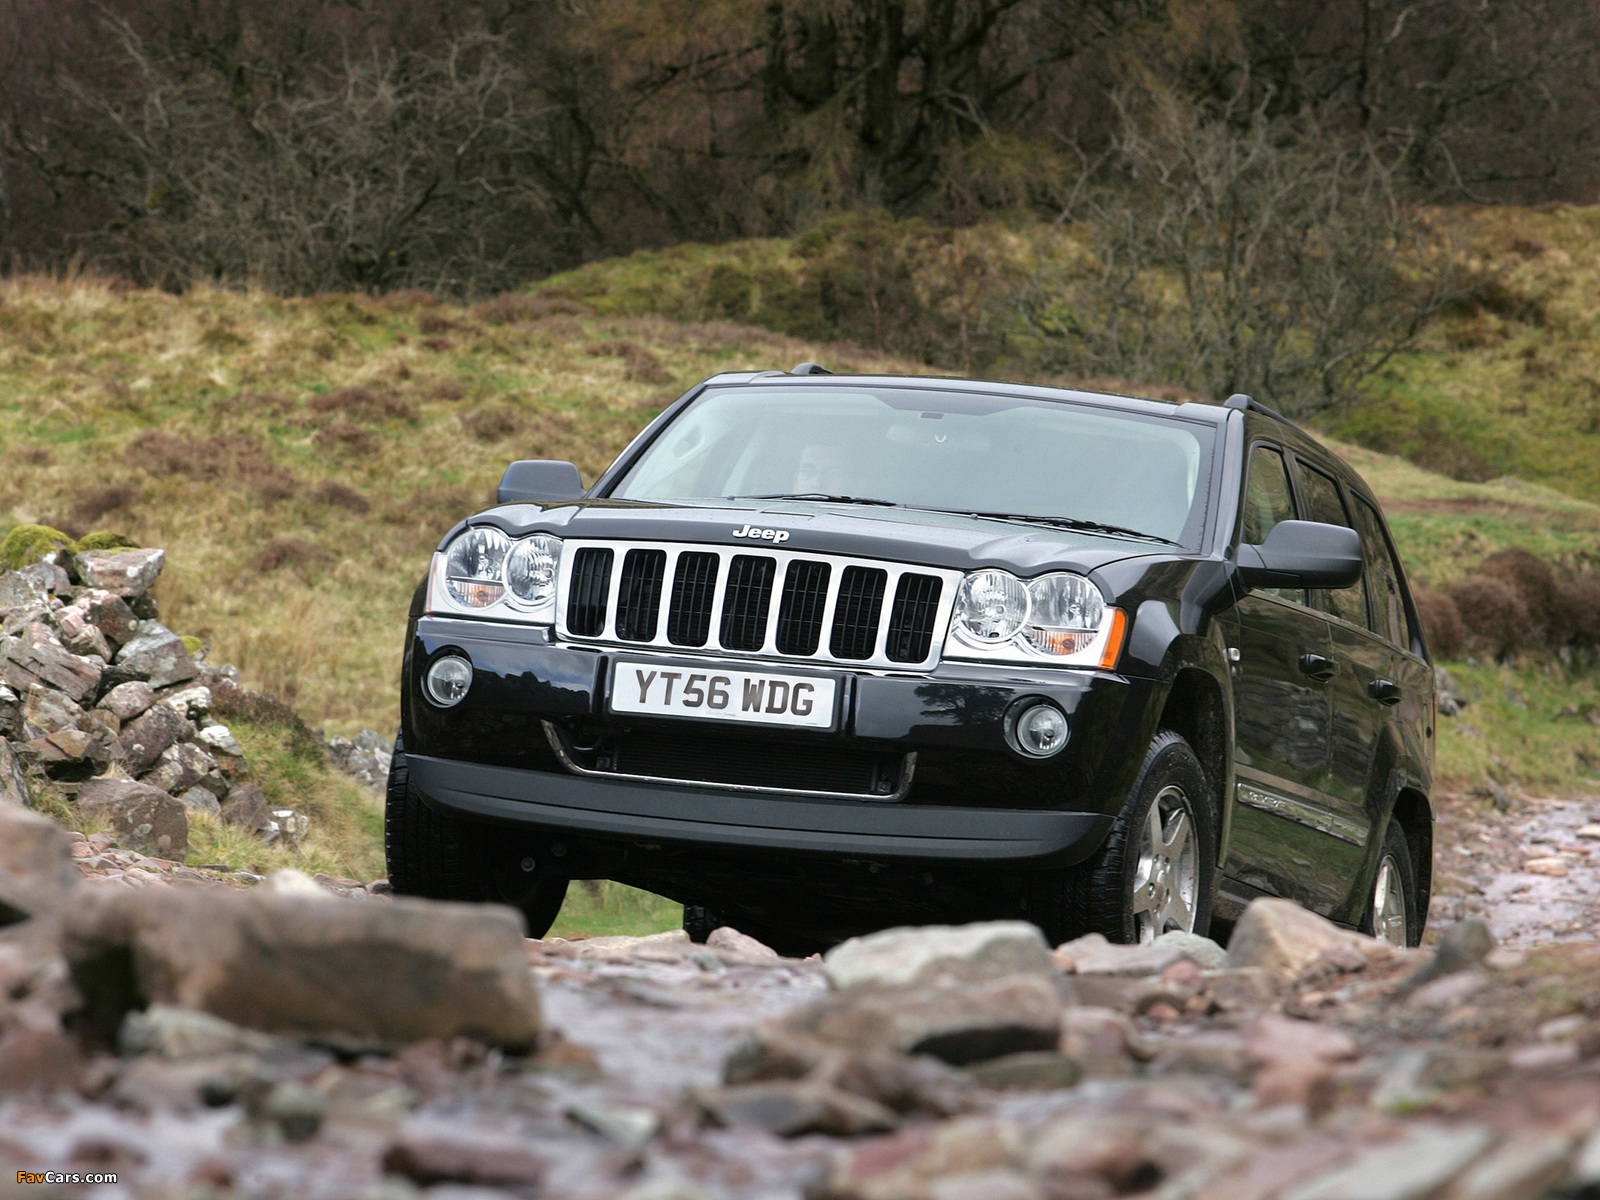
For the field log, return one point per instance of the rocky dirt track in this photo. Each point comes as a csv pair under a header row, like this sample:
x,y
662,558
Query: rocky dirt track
x,y
295,1038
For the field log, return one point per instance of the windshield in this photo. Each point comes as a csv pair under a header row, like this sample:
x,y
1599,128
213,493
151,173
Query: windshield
x,y
922,448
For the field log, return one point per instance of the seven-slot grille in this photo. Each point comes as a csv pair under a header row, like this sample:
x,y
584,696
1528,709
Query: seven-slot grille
x,y
775,604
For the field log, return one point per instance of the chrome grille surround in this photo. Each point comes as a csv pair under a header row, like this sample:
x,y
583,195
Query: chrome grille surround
x,y
877,659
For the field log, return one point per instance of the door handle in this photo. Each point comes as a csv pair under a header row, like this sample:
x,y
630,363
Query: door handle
x,y
1384,691
1319,666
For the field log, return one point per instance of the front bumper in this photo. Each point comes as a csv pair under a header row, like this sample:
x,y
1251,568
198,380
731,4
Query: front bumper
x,y
973,798
568,805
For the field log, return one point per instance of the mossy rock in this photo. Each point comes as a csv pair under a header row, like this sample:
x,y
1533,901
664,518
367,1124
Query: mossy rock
x,y
104,539
195,647
29,543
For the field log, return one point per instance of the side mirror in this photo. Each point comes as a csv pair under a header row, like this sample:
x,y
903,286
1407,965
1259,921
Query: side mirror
x,y
539,479
1302,554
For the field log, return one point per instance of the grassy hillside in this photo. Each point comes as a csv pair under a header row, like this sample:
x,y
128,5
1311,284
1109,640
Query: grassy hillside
x,y
300,458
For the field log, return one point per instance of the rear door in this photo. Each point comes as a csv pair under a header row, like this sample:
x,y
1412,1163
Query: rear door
x,y
1281,710
1360,657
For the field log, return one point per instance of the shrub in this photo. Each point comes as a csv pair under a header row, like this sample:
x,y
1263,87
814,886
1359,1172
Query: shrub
x,y
490,424
1575,613
365,403
514,308
29,543
337,495
342,435
104,539
89,507
643,366
1441,624
1493,615
290,552
1530,576
432,322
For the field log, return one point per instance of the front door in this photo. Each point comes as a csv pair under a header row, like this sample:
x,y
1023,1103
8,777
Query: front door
x,y
1282,712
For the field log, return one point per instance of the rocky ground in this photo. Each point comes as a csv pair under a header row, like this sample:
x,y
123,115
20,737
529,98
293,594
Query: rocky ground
x,y
197,1032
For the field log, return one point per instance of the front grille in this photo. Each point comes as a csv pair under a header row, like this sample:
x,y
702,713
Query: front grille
x,y
639,597
780,604
694,588
744,607
591,584
805,596
912,617
734,760
855,621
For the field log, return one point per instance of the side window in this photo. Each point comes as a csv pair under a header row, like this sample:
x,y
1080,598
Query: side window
x,y
1327,507
1383,576
1267,501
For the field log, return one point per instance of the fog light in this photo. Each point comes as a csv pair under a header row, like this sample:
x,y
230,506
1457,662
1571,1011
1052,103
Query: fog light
x,y
447,680
1041,730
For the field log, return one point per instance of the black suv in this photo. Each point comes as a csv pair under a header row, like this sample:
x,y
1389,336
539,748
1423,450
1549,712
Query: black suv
x,y
819,654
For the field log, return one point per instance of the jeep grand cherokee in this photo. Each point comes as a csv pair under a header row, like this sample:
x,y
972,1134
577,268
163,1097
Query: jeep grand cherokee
x,y
818,654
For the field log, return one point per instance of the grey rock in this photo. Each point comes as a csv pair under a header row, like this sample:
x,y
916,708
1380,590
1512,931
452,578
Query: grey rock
x,y
193,701
147,736
357,975
627,1125
32,660
940,956
286,828
142,816
247,808
1285,939
198,800
730,940
1413,1168
1035,1070
18,590
791,1109
223,747
159,655
1202,951
125,573
48,574
45,711
1464,945
36,869
1094,954
178,1033
13,781
109,613
1525,1165
128,700
182,766
296,1109
431,1159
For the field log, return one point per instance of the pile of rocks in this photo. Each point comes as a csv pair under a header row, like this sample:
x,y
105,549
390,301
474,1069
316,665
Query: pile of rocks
x,y
99,697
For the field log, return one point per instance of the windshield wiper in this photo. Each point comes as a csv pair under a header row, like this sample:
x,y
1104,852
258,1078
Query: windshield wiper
x,y
819,496
1067,523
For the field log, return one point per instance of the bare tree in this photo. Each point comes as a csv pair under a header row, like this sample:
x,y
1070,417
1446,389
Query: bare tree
x,y
1228,255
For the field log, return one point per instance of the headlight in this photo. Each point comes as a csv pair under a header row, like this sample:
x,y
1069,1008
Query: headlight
x,y
474,567
1067,614
483,570
991,608
531,569
1058,618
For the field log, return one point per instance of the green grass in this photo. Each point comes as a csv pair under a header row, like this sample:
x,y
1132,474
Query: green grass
x,y
601,908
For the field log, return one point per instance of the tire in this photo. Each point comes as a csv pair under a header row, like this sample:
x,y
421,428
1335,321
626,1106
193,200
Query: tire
x,y
1112,893
442,858
699,921
1393,914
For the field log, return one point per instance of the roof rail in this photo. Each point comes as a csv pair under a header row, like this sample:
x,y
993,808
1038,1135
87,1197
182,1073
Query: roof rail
x,y
1241,401
810,368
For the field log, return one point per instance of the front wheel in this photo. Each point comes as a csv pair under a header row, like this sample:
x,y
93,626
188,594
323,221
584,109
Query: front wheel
x,y
442,858
1156,871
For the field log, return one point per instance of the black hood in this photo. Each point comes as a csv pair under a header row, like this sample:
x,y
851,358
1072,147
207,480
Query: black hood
x,y
861,531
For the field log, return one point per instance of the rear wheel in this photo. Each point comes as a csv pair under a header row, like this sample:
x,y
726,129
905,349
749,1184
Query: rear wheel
x,y
442,858
1155,873
1393,914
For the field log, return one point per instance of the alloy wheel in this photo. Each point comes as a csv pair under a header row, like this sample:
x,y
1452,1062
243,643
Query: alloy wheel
x,y
1166,882
1389,917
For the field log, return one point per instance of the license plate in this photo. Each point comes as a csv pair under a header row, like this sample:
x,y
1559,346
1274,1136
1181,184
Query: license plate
x,y
759,697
